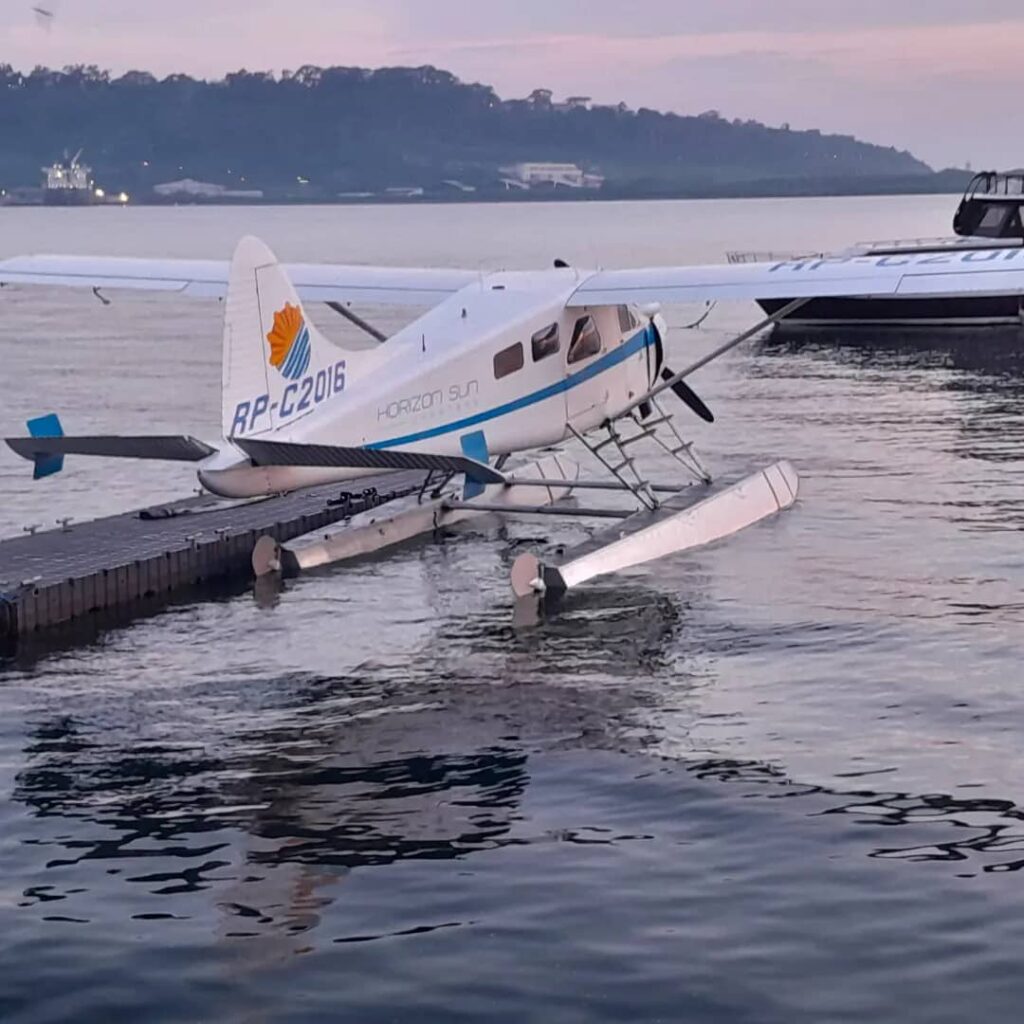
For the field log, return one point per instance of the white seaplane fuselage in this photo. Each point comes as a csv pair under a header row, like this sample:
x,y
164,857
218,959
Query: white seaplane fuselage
x,y
499,367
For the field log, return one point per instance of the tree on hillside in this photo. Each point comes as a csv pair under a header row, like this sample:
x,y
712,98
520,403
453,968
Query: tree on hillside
x,y
346,128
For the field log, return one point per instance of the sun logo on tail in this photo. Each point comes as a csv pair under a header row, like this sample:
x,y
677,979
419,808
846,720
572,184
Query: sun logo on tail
x,y
290,347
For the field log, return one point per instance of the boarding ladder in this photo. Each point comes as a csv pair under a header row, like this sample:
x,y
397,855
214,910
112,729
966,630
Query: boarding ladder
x,y
613,451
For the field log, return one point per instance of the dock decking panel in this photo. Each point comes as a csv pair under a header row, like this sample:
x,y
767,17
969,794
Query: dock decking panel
x,y
55,577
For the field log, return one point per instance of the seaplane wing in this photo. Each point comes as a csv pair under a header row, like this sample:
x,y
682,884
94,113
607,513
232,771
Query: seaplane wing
x,y
992,271
314,282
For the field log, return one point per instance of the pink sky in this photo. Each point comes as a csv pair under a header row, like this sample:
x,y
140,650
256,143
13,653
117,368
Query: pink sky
x,y
941,78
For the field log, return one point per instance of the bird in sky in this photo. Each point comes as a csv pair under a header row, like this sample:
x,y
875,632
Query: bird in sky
x,y
44,16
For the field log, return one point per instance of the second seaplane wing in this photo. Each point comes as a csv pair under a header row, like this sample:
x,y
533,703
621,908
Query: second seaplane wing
x,y
992,271
314,282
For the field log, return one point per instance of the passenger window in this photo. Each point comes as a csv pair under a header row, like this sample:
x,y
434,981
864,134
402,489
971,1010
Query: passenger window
x,y
508,360
545,343
626,321
586,341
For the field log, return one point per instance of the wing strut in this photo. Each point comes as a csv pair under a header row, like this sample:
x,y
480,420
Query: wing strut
x,y
675,378
353,318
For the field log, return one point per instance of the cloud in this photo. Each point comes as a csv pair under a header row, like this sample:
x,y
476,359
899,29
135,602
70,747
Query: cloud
x,y
895,85
656,18
938,76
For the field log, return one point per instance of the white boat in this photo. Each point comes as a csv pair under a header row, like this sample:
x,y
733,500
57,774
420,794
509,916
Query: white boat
x,y
990,217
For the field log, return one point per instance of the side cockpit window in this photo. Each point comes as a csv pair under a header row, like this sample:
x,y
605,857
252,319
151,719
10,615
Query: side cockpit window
x,y
627,322
508,360
586,340
545,343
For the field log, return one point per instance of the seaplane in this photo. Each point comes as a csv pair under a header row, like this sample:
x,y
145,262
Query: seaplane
x,y
502,364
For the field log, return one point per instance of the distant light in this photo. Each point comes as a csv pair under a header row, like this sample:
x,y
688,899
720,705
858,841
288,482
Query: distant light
x,y
123,197
302,181
145,163
100,193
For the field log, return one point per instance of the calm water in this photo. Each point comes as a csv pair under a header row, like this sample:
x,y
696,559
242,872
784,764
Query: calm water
x,y
781,779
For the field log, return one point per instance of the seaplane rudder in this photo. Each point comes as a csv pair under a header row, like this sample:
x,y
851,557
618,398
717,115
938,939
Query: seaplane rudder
x,y
277,367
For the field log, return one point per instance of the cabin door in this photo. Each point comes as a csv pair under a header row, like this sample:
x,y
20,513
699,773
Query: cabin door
x,y
587,390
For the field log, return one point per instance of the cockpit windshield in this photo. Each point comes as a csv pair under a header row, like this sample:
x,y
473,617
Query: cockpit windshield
x,y
586,341
991,206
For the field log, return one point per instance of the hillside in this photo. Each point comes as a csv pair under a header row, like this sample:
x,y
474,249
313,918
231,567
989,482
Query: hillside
x,y
317,132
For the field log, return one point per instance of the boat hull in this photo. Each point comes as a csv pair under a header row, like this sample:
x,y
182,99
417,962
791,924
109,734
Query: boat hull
x,y
68,197
982,311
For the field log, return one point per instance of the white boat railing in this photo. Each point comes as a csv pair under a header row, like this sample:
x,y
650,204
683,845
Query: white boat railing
x,y
770,257
868,248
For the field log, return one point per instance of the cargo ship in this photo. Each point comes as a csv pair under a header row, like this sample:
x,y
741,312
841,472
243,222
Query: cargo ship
x,y
68,182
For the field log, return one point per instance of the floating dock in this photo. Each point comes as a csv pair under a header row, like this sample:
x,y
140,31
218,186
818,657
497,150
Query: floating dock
x,y
54,578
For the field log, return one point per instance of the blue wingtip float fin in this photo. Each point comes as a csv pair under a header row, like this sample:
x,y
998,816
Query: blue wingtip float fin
x,y
46,426
474,446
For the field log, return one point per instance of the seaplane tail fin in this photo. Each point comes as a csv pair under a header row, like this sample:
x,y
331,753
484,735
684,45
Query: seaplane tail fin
x,y
278,368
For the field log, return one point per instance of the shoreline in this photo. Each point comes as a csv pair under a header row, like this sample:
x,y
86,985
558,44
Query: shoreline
x,y
498,200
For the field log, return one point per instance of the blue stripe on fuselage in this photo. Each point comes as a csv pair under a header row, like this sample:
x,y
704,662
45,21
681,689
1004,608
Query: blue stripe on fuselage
x,y
637,343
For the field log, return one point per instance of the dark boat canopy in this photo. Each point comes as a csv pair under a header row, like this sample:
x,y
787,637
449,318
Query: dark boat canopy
x,y
991,206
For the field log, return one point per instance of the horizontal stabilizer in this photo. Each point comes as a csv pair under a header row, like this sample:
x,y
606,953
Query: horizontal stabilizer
x,y
172,448
280,453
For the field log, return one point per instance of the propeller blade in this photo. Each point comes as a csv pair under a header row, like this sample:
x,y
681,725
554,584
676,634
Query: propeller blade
x,y
689,397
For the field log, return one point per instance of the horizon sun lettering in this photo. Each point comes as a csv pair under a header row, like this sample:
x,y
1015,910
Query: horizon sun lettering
x,y
902,260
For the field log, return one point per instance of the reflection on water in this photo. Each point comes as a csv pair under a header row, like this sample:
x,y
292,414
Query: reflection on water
x,y
983,361
293,781
333,773
324,797
397,828
988,833
956,393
